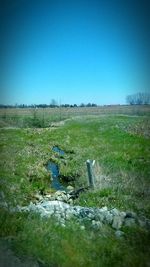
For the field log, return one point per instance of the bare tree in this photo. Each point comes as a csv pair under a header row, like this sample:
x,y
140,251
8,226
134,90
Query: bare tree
x,y
53,103
130,100
138,99
146,98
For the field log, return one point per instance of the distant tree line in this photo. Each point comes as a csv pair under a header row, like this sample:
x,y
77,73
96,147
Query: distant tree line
x,y
53,104
138,99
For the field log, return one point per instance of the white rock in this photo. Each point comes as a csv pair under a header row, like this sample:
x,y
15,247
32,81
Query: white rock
x,y
104,209
117,222
60,193
70,188
115,211
38,196
123,214
129,222
70,201
108,217
48,196
100,216
96,224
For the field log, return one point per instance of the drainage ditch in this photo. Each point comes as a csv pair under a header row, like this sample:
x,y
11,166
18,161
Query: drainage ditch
x,y
54,169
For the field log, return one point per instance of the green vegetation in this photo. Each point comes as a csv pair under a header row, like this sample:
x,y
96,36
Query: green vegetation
x,y
120,145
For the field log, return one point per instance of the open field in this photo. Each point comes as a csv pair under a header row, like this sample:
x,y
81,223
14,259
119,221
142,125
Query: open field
x,y
43,117
118,139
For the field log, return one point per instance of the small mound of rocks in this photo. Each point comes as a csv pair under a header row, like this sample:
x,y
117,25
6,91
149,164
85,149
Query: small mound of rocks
x,y
60,206
65,196
63,212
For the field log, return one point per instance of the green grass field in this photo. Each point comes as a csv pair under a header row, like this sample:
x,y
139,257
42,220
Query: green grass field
x,y
120,144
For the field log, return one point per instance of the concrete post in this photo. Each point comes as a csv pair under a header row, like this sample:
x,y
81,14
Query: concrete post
x,y
90,164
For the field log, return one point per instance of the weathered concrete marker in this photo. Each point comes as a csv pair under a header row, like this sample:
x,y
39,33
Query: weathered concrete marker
x,y
90,164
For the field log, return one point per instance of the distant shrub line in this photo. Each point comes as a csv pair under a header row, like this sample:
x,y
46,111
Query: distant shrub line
x,y
49,105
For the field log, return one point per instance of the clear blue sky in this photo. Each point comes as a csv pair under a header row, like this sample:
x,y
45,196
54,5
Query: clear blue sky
x,y
74,51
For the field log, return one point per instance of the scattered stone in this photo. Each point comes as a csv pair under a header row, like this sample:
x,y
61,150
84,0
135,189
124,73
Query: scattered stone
x,y
48,197
129,222
104,208
99,216
108,217
117,222
65,196
114,212
96,224
61,196
70,201
59,205
123,214
70,188
38,197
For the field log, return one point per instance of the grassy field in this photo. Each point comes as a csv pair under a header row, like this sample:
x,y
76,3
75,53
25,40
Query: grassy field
x,y
44,117
119,141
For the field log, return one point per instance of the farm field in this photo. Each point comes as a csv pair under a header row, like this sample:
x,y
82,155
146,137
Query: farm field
x,y
118,139
44,117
